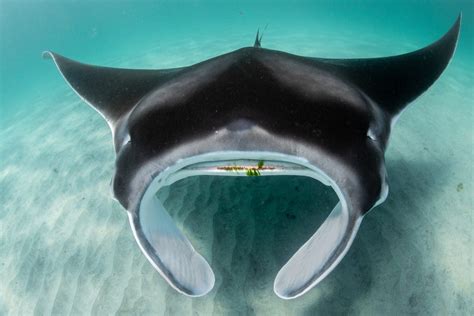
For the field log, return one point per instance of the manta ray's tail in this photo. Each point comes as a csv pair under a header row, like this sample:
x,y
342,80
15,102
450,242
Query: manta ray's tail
x,y
258,38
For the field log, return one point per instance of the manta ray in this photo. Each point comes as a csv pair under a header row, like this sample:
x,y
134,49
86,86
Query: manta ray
x,y
259,112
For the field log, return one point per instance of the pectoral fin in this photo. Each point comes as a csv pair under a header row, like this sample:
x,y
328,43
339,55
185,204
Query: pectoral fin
x,y
110,91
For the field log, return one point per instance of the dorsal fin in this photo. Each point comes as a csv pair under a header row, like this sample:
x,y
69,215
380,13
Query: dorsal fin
x,y
110,91
395,81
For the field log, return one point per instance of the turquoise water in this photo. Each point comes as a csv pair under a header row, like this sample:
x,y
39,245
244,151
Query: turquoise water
x,y
66,246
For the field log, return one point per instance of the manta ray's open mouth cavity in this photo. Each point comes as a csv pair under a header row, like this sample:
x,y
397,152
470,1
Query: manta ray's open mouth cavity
x,y
172,254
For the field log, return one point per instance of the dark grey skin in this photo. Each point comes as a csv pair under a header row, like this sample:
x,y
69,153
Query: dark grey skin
x,y
327,118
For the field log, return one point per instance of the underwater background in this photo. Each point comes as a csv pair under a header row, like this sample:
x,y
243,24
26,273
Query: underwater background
x,y
65,243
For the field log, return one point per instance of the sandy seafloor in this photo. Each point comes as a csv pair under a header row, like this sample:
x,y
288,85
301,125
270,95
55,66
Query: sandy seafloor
x,y
66,246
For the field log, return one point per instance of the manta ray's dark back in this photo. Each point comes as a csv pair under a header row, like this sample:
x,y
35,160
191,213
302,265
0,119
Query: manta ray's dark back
x,y
329,119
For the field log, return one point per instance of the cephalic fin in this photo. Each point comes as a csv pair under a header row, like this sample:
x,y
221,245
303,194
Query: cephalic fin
x,y
319,255
169,251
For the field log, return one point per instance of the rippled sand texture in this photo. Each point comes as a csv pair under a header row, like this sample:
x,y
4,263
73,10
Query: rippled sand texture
x,y
66,246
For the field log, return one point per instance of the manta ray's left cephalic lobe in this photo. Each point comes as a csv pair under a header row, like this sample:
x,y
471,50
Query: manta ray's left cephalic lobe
x,y
328,119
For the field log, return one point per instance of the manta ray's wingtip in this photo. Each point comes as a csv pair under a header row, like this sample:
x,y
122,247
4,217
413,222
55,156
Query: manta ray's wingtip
x,y
448,42
456,26
451,37
47,54
458,20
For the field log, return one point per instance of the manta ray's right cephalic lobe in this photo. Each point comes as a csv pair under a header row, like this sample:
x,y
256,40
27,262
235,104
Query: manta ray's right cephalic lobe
x,y
329,119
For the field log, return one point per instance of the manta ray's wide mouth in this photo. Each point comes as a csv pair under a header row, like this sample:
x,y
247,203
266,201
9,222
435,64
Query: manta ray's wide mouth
x,y
174,257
